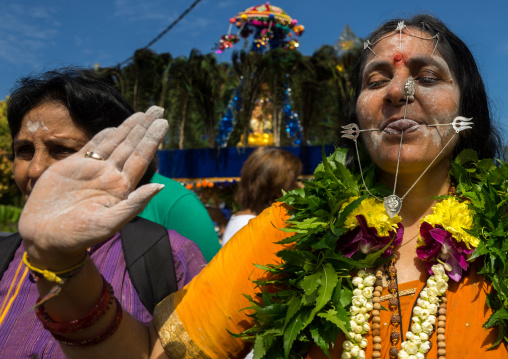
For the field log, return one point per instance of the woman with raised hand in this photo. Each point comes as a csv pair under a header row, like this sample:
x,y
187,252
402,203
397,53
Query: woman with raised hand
x,y
74,228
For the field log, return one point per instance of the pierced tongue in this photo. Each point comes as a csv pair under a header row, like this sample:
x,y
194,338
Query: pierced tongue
x,y
398,126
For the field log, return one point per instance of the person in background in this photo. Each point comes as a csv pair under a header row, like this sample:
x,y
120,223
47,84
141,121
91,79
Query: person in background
x,y
265,174
178,208
51,117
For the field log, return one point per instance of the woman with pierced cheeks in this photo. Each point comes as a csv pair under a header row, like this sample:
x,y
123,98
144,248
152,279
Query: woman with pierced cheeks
x,y
417,87
381,105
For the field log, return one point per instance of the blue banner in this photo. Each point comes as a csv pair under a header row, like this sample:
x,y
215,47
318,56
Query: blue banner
x,y
226,162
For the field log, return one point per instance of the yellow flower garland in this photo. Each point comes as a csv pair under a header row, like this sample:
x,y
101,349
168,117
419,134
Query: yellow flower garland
x,y
374,213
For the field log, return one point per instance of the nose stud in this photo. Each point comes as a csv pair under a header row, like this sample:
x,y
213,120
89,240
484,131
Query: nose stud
x,y
409,91
409,88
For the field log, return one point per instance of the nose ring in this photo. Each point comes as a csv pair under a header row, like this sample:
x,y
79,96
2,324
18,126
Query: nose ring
x,y
93,155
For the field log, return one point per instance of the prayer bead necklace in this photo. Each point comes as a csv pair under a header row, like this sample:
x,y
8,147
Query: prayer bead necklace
x,y
417,342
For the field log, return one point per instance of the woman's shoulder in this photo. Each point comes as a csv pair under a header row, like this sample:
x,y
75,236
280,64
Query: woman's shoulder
x,y
236,218
188,258
278,211
180,243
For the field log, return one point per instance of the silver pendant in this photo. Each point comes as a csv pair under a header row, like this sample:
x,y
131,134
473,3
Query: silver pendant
x,y
392,203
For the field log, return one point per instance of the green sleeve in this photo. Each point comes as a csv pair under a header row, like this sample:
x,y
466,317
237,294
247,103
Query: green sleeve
x,y
177,208
190,218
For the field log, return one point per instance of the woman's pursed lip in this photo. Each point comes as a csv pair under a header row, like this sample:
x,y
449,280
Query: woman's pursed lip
x,y
397,126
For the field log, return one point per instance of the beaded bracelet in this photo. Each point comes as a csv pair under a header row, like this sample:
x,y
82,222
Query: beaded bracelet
x,y
105,334
105,301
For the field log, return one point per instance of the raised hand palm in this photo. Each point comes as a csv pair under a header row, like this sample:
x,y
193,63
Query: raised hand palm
x,y
81,201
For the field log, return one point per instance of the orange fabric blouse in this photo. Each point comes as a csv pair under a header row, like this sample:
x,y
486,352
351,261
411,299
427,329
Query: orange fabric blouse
x,y
196,321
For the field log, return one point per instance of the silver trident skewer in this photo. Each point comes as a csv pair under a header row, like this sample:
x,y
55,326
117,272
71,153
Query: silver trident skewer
x,y
352,131
459,123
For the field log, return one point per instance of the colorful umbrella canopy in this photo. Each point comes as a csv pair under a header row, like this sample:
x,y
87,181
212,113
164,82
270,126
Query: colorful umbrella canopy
x,y
269,24
264,13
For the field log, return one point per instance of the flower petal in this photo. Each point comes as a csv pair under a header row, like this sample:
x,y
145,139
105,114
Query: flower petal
x,y
456,272
367,240
431,247
439,234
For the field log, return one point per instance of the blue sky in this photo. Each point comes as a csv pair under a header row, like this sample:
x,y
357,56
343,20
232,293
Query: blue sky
x,y
40,35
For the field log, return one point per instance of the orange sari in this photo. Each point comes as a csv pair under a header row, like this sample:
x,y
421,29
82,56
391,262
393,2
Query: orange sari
x,y
194,322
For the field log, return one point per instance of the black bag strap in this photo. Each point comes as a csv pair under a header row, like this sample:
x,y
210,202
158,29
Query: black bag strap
x,y
8,246
149,260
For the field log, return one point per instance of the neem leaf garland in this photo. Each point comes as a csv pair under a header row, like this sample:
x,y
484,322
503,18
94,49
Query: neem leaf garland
x,y
310,291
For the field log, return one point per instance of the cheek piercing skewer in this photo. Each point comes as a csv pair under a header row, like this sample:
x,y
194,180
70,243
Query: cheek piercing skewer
x,y
393,203
352,131
459,124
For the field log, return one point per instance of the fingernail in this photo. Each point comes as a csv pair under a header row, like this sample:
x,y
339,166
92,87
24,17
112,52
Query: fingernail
x,y
155,112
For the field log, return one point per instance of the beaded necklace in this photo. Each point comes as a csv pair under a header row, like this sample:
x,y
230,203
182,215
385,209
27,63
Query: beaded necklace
x,y
424,318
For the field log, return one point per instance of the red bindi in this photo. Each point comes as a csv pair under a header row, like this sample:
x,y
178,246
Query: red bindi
x,y
397,57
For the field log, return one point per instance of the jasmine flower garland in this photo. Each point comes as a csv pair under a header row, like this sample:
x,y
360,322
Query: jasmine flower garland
x,y
424,319
360,310
339,231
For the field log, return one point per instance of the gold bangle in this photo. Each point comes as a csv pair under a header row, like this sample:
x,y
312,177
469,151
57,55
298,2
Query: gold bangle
x,y
55,277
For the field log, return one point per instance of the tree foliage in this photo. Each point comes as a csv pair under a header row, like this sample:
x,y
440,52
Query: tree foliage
x,y
281,66
10,196
250,68
196,90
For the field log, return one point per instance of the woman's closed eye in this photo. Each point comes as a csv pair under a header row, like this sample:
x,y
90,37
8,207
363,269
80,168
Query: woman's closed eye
x,y
24,152
427,78
377,81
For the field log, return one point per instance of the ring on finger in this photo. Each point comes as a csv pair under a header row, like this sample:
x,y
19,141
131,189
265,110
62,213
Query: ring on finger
x,y
93,155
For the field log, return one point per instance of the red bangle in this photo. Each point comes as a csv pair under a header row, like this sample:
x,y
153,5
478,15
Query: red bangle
x,y
88,319
109,331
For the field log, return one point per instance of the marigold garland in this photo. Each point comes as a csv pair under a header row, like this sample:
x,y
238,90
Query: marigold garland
x,y
455,217
374,213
